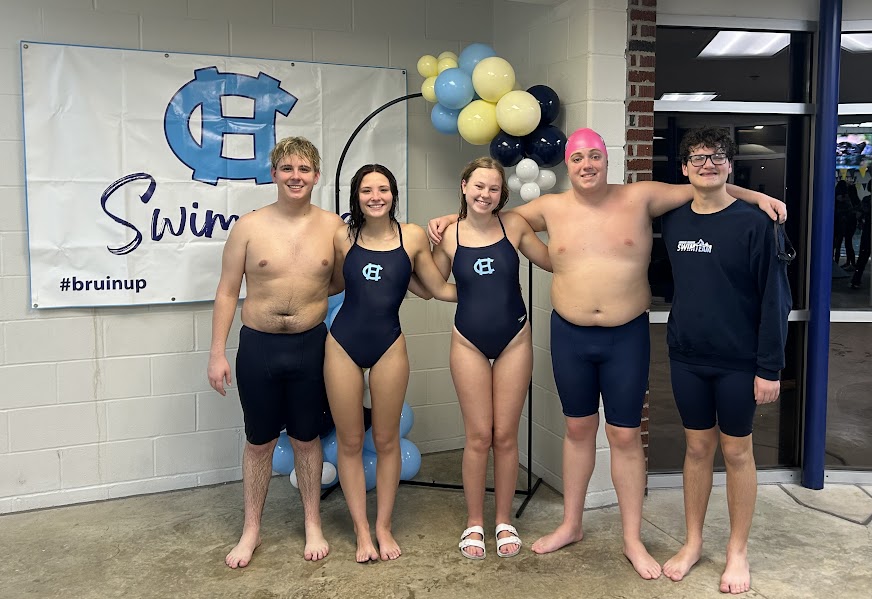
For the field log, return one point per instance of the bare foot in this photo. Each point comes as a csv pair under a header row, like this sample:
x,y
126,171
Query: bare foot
x,y
677,567
646,566
473,551
240,556
563,536
366,551
316,545
737,575
388,547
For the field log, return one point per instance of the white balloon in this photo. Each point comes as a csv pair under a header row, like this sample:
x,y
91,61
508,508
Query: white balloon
x,y
367,398
514,183
530,191
546,179
527,170
328,474
293,478
366,378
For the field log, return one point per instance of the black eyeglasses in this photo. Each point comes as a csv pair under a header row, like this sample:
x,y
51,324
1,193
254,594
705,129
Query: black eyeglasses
x,y
699,159
783,247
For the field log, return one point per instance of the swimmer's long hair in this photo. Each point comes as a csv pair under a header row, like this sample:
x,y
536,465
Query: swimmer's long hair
x,y
710,137
357,220
483,162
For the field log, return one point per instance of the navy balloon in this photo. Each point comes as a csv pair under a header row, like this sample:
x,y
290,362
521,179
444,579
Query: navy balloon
x,y
507,149
545,145
548,102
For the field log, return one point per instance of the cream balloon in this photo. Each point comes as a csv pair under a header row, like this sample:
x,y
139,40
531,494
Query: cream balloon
x,y
447,54
518,113
427,66
477,122
546,179
446,63
428,89
530,191
493,78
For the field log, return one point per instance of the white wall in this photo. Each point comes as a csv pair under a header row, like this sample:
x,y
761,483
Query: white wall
x,y
98,403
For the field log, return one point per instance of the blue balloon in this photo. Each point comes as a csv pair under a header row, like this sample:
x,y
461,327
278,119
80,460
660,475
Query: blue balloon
x,y
411,460
548,102
407,419
444,119
472,55
369,469
453,88
545,145
368,441
283,455
507,149
330,448
334,302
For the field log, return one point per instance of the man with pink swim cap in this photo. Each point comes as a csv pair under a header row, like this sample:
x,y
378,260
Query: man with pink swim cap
x,y
600,241
584,138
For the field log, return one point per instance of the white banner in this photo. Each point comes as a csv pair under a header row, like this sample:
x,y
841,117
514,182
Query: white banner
x,y
138,163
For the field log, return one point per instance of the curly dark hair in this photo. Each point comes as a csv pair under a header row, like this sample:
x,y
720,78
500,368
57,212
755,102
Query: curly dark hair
x,y
710,137
356,220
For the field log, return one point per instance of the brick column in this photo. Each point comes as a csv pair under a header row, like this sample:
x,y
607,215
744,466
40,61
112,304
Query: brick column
x,y
641,41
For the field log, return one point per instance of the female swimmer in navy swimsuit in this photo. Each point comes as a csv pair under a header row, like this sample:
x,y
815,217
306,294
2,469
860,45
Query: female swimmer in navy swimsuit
x,y
378,256
481,250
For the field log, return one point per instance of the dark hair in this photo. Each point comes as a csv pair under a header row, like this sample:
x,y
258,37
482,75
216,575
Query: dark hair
x,y
483,162
710,137
357,220
841,187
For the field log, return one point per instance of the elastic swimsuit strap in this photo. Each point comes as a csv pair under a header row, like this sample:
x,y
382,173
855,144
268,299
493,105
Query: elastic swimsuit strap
x,y
501,225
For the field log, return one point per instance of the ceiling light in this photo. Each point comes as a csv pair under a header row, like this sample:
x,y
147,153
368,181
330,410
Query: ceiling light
x,y
689,97
857,42
745,44
758,126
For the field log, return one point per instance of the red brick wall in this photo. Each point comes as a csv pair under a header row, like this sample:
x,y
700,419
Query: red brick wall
x,y
641,38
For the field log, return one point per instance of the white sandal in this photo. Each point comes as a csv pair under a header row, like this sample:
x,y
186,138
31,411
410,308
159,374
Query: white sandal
x,y
466,542
512,540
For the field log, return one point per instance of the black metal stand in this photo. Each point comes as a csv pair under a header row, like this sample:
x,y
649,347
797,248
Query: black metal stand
x,y
531,486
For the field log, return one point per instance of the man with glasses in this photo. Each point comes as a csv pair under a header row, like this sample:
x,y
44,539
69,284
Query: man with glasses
x,y
600,240
726,335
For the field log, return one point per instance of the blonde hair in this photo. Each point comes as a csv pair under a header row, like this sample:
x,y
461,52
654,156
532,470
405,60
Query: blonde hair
x,y
488,163
296,146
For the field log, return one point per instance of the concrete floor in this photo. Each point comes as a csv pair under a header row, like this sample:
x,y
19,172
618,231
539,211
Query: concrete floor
x,y
173,544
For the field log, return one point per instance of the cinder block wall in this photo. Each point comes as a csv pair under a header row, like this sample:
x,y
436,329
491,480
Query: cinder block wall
x,y
100,403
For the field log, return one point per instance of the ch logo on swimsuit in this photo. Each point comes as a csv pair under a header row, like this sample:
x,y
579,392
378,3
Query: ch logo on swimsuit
x,y
371,272
205,156
484,266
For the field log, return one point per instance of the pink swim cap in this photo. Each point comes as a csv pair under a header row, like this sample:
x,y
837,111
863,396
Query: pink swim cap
x,y
584,138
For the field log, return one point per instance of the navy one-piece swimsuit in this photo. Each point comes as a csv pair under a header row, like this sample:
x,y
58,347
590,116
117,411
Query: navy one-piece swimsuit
x,y
490,309
368,322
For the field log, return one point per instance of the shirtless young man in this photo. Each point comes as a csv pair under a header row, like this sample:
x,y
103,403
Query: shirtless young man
x,y
600,241
285,252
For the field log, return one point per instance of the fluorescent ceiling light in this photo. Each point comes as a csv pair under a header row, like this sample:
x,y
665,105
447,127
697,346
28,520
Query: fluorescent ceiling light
x,y
689,97
745,44
758,126
857,42
856,125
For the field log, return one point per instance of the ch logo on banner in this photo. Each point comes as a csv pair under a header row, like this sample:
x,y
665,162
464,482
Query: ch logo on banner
x,y
371,272
205,157
484,266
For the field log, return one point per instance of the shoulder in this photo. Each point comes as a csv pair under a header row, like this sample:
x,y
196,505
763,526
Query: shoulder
x,y
330,219
514,222
413,234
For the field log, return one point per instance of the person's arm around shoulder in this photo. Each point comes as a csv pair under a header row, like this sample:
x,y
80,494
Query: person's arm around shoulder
x,y
443,253
226,299
663,197
422,264
534,211
436,227
775,304
528,242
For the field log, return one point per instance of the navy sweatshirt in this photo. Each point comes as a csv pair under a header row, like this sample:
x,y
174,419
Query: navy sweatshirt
x,y
732,297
